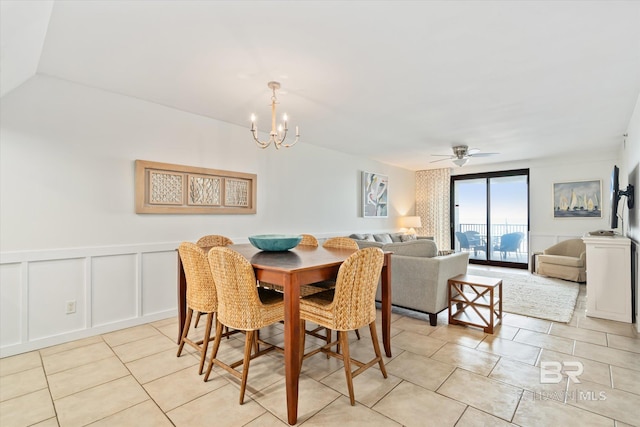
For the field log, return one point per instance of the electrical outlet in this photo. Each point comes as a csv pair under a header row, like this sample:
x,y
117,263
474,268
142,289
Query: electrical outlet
x,y
71,307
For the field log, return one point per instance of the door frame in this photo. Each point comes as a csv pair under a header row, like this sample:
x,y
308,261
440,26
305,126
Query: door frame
x,y
487,176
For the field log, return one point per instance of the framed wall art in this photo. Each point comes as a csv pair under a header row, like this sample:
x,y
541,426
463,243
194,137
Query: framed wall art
x,y
375,195
577,199
163,188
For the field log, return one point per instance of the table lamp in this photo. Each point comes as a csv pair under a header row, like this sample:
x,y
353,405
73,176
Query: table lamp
x,y
410,223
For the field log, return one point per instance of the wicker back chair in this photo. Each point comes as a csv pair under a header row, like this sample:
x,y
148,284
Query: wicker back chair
x,y
207,242
340,243
308,240
242,306
349,306
214,240
201,295
337,243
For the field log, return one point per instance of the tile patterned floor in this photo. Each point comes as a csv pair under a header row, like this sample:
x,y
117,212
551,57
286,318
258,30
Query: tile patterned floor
x,y
440,376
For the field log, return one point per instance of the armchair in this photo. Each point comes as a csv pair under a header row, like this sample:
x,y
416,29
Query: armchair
x,y
509,242
468,240
565,260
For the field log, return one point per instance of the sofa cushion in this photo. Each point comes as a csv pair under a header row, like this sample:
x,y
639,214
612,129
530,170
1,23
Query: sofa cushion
x,y
383,238
407,237
417,248
396,237
561,260
364,236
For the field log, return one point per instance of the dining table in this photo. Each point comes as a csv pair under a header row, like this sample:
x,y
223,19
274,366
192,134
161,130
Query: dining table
x,y
291,269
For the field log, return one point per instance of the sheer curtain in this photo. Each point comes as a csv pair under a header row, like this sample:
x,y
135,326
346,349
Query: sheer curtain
x,y
432,205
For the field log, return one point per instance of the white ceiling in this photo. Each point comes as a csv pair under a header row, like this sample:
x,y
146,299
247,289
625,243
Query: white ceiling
x,y
391,80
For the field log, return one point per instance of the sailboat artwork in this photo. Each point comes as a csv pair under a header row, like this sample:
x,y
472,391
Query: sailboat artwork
x,y
578,199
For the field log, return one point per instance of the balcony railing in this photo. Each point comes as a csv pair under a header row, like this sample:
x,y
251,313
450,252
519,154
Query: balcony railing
x,y
497,231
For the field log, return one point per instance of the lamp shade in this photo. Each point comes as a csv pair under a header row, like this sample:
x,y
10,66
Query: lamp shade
x,y
411,222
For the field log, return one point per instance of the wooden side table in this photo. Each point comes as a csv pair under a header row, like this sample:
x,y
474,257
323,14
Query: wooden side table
x,y
473,301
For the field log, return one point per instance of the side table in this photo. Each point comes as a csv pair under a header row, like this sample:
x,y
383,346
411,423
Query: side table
x,y
473,301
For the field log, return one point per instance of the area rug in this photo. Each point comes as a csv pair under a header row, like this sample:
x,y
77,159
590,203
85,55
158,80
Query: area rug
x,y
535,296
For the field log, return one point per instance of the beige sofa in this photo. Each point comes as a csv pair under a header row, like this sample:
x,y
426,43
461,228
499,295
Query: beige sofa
x,y
419,276
565,260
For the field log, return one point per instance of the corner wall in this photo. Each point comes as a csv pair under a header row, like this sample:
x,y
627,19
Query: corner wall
x,y
630,174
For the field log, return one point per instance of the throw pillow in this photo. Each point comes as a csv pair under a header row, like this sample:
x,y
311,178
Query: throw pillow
x,y
358,236
407,237
383,238
369,238
396,237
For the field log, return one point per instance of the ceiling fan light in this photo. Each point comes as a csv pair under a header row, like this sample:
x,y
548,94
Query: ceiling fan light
x,y
461,162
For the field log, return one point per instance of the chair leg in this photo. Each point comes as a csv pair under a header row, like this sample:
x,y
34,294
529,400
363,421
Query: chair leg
x,y
248,344
205,341
358,334
303,333
197,319
185,330
214,352
328,331
376,347
344,340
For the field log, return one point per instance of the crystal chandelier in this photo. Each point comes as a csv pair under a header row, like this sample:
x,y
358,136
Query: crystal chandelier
x,y
277,135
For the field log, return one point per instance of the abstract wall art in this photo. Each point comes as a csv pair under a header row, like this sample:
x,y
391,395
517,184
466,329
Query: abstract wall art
x,y
375,192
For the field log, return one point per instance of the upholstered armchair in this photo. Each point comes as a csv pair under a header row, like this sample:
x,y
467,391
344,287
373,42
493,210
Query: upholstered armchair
x,y
565,260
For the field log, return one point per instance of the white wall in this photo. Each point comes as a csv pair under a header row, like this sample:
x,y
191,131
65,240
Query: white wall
x,y
68,229
545,229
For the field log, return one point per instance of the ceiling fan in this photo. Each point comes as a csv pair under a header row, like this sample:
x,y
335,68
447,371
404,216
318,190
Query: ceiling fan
x,y
462,154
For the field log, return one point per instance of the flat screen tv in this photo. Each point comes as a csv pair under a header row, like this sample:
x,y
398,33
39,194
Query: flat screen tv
x,y
616,194
615,197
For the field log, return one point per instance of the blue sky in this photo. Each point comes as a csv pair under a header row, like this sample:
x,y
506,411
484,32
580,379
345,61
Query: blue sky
x,y
508,200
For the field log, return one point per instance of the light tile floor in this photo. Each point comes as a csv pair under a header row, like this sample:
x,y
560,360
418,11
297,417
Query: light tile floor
x,y
440,376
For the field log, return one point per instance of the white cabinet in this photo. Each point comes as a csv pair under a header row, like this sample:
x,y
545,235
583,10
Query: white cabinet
x,y
609,277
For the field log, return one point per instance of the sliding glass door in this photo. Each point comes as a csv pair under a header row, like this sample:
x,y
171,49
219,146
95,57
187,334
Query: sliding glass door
x,y
491,217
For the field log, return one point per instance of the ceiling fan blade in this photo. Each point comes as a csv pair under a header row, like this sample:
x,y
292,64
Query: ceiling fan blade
x,y
472,151
440,160
483,154
443,155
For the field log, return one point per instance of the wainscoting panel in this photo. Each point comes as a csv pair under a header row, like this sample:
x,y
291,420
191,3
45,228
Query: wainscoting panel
x,y
51,285
10,307
114,295
538,242
159,279
113,287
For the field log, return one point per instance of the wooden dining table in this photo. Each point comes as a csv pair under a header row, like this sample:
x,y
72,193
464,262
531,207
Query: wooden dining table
x,y
300,266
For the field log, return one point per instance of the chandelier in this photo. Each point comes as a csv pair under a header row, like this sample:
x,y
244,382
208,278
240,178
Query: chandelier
x,y
277,135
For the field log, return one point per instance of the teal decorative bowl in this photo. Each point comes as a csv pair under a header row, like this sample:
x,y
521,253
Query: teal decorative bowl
x,y
275,242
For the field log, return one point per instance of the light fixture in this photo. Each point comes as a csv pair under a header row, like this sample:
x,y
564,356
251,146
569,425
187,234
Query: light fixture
x,y
277,135
411,223
461,162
